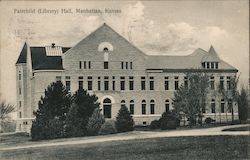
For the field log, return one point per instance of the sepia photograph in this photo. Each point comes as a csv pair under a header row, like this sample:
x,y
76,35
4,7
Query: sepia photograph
x,y
124,80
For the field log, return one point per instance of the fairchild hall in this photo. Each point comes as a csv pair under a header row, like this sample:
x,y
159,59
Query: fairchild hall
x,y
106,64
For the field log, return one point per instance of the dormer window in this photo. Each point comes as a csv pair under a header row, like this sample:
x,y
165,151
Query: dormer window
x,y
210,65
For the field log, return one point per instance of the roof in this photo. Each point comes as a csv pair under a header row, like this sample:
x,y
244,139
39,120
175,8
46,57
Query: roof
x,y
22,55
192,61
40,61
212,56
176,62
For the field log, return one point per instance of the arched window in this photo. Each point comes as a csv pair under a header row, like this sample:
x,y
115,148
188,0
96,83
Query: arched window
x,y
143,107
106,58
107,108
131,106
152,106
213,106
123,103
222,106
167,105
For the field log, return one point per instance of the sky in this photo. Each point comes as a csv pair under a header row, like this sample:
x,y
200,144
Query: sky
x,y
155,27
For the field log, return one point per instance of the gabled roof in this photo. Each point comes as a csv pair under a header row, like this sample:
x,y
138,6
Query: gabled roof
x,y
104,34
23,55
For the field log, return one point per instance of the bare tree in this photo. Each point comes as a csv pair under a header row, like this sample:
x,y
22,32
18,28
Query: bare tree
x,y
230,94
5,110
191,99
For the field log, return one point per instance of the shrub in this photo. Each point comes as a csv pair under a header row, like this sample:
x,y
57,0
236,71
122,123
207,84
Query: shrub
x,y
108,128
124,121
50,129
155,124
209,120
169,120
95,122
79,113
50,116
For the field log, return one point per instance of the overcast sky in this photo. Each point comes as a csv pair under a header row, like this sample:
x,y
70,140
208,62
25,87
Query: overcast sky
x,y
156,27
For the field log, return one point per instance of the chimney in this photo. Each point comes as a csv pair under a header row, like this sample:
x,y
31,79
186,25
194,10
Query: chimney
x,y
53,45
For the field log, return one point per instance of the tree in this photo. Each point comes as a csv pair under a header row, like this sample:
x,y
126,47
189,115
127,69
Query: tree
x,y
51,114
191,99
230,94
80,111
124,121
95,122
5,110
243,105
169,120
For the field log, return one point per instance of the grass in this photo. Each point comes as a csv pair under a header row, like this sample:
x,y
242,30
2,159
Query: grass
x,y
245,128
202,147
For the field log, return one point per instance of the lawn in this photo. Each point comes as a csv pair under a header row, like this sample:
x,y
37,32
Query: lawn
x,y
245,128
203,147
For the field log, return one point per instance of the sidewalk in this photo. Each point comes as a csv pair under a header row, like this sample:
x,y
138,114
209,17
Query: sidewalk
x,y
131,136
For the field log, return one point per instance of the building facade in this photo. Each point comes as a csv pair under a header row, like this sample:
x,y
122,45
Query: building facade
x,y
106,64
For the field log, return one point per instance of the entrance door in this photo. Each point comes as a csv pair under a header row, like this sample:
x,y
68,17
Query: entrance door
x,y
107,108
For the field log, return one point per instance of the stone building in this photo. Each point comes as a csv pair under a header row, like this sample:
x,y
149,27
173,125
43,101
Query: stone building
x,y
108,65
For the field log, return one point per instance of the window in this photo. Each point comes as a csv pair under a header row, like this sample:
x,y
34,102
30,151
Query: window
x,y
80,84
20,90
126,65
166,84
230,106
20,114
131,107
131,65
167,105
176,83
203,64
113,84
123,104
89,64
84,64
106,83
20,104
131,83
216,65
212,83
143,107
90,83
186,82
221,82
152,107
213,106
106,65
80,64
229,83
99,85
151,83
19,76
58,78
68,86
222,106
208,65
212,65
143,83
122,65
122,87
